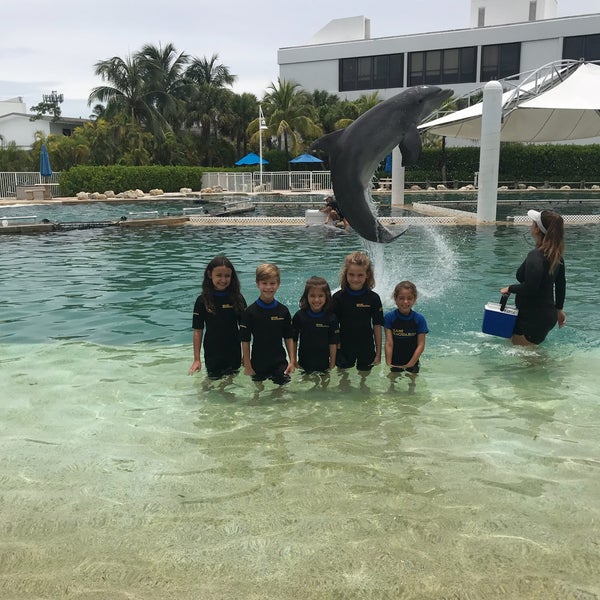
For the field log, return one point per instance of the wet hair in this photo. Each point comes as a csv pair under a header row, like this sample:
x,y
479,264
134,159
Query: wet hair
x,y
312,283
234,288
553,241
268,271
409,286
362,260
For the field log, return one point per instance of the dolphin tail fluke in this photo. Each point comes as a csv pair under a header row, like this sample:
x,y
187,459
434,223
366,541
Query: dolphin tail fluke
x,y
385,236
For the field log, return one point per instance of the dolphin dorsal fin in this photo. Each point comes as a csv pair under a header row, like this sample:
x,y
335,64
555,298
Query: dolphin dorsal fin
x,y
328,141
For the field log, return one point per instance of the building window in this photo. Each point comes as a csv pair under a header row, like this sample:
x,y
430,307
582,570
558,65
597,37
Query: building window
x,y
532,10
500,61
582,46
371,72
434,67
481,17
67,132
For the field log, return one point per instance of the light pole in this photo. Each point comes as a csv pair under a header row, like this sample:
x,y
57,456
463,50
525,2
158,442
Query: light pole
x,y
261,125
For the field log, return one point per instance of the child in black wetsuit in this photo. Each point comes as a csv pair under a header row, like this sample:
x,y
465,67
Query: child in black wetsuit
x,y
316,328
405,331
360,314
218,310
267,323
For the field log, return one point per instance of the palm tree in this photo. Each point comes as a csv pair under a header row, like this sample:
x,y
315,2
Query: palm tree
x,y
163,73
126,91
207,71
244,108
289,115
209,100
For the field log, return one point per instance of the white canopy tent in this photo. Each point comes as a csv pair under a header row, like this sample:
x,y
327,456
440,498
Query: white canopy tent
x,y
559,102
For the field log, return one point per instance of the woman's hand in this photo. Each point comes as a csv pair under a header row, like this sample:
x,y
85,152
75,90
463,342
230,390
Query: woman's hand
x,y
562,318
505,290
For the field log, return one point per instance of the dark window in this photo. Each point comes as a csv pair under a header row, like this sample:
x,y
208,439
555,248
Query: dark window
x,y
67,132
499,61
381,69
455,65
348,71
582,46
371,72
396,70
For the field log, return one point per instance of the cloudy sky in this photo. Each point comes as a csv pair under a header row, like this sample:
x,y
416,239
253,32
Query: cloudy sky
x,y
53,45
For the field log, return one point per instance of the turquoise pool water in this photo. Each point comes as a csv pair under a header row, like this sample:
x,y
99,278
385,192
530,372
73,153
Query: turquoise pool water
x,y
123,477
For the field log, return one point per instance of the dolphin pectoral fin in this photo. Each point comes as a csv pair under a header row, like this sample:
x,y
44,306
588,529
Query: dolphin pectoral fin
x,y
385,236
327,142
411,146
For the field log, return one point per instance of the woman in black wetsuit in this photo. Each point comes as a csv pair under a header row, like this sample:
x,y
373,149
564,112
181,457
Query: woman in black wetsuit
x,y
540,293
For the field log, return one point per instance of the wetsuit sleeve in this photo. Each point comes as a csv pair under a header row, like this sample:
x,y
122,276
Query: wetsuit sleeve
x,y
421,323
296,325
377,310
288,330
199,314
246,326
534,271
560,286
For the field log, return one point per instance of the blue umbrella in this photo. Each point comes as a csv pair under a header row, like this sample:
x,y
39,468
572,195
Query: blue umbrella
x,y
251,159
45,168
306,158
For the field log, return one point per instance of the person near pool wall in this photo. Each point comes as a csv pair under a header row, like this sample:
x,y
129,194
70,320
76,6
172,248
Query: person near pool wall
x,y
216,319
540,293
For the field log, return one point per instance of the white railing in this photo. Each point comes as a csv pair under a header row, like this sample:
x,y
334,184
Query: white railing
x,y
272,181
9,181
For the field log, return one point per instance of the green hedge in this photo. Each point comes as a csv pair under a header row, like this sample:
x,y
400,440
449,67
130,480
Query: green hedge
x,y
518,162
121,179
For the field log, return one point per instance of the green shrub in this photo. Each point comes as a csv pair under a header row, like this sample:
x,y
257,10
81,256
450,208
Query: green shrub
x,y
121,179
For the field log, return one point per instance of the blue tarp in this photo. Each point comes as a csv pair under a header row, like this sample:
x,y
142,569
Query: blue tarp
x,y
251,159
45,168
306,158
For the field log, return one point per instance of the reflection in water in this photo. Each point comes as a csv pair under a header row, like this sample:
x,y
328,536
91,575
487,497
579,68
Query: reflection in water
x,y
477,478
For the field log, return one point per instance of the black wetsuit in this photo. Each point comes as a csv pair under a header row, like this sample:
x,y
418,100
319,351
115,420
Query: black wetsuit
x,y
221,339
539,296
267,325
405,333
357,313
316,331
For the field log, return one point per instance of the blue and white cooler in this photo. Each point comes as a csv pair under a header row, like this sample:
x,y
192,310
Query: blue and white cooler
x,y
499,319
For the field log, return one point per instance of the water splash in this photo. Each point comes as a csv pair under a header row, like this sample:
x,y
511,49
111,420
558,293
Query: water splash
x,y
431,263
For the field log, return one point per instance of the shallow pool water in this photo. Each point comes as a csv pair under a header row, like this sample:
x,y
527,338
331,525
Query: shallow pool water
x,y
123,477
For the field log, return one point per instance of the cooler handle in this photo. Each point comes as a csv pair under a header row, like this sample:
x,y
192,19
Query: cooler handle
x,y
503,301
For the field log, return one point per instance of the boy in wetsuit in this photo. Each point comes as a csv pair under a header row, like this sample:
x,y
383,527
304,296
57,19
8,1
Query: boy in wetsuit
x,y
267,323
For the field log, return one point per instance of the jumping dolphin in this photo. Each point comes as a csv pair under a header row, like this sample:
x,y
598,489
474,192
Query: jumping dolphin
x,y
355,152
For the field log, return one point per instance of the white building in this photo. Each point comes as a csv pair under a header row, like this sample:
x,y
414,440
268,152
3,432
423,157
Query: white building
x,y
506,37
16,124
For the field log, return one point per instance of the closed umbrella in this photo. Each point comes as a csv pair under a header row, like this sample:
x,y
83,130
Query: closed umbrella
x,y
45,168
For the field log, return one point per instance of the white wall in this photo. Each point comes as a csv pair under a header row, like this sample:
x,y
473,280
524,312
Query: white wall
x,y
13,105
19,129
503,12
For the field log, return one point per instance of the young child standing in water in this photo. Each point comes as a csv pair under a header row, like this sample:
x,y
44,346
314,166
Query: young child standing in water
x,y
316,328
405,331
267,323
360,314
218,309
